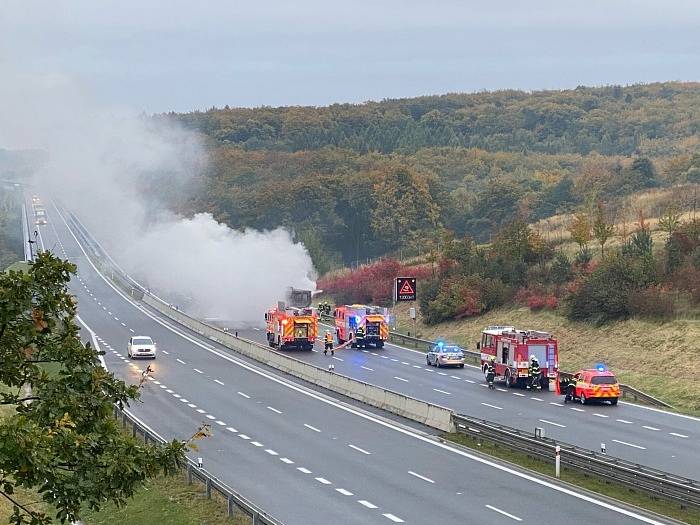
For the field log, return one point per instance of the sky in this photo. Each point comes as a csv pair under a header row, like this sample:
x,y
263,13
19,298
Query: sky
x,y
182,55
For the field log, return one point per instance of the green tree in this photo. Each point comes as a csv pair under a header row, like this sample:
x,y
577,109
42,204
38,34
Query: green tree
x,y
602,230
670,220
62,439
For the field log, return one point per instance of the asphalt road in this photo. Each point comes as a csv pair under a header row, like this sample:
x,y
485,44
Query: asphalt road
x,y
304,457
660,439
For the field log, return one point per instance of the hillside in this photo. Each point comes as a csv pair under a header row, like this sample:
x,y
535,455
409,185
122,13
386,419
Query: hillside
x,y
360,181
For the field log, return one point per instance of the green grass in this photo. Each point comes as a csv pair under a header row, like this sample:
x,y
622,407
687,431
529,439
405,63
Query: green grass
x,y
594,484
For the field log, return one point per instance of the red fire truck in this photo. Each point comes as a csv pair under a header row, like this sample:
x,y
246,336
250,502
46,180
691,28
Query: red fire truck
x,y
291,327
512,349
373,318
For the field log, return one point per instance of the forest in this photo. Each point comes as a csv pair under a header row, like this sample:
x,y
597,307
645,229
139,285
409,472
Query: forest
x,y
356,182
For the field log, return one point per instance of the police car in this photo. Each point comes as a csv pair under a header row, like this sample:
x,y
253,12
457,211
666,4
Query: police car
x,y
445,355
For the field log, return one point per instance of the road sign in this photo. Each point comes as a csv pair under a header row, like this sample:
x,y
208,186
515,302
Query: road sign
x,y
405,289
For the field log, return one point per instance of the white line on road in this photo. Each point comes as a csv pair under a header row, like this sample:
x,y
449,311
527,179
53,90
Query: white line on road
x,y
442,373
416,366
220,423
177,395
304,470
132,330
180,361
629,444
678,435
209,416
311,428
470,381
359,449
344,492
599,415
518,394
442,391
420,477
271,452
624,421
192,405
123,324
401,379
287,461
243,436
323,480
511,516
274,410
165,352
650,428
367,368
244,395
556,404
336,358
201,411
157,382
405,363
577,409
492,406
367,504
455,377
553,423
231,429
163,386
217,381
535,398
183,400
393,518
197,370
394,360
256,443
168,391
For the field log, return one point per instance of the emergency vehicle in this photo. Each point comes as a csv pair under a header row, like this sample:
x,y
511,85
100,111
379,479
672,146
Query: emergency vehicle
x,y
291,327
597,384
374,319
512,349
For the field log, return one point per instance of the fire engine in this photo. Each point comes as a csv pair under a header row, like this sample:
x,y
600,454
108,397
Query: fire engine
x,y
373,318
290,327
512,349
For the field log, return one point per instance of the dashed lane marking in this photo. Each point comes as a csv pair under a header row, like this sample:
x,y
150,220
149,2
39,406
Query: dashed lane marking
x,y
311,428
393,518
243,436
243,395
287,461
274,410
492,406
336,358
577,409
401,379
217,381
231,429
201,411
367,368
303,470
442,391
197,370
209,416
678,435
600,415
420,477
323,481
271,452
180,361
624,421
367,504
220,423
344,492
511,516
359,449
650,428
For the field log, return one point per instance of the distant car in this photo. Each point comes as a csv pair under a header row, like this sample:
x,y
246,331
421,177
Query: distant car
x,y
596,384
445,355
141,346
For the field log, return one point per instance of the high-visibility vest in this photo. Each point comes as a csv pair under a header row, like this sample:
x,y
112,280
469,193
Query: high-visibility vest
x,y
329,338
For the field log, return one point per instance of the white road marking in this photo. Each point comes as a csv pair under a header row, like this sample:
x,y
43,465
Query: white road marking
x,y
624,421
311,428
383,357
183,400
162,386
629,444
157,382
256,443
518,394
492,406
553,423
99,303
344,492
416,366
123,324
394,360
678,435
177,395
393,518
359,449
165,352
374,353
426,369
256,328
556,404
577,409
420,477
511,516
201,411
220,423
180,361
442,373
271,452
401,379
168,391
470,381
456,377
116,318
192,405
599,415
323,480
244,395
209,416
535,398
197,370
217,381
502,389
405,363
367,504
231,429
367,368
109,313
132,330
274,410
243,436
336,358
304,470
442,391
650,428
287,461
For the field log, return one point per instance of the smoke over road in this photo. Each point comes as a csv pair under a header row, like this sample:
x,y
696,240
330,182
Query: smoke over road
x,y
113,168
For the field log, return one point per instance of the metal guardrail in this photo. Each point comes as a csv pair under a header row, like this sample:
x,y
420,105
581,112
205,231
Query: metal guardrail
x,y
638,477
235,502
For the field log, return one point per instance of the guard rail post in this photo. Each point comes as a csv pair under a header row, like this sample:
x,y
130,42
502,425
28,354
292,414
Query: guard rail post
x,y
208,485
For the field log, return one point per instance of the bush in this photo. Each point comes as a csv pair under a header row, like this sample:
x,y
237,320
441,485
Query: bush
x,y
653,302
537,299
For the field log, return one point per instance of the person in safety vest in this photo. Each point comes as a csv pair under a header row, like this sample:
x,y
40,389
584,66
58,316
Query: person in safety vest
x,y
328,340
534,373
360,337
569,388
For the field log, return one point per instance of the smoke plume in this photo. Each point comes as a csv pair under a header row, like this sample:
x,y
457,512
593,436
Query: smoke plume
x,y
113,168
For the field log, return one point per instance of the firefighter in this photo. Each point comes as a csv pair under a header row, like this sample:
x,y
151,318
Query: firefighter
x,y
328,343
534,373
360,337
491,371
569,388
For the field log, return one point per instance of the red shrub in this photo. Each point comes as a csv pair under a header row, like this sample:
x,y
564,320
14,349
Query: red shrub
x,y
536,299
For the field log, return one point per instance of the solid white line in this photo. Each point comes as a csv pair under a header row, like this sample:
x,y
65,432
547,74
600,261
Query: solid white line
x,y
344,492
311,428
369,417
442,391
367,368
359,449
197,370
678,435
274,410
511,516
367,504
244,395
650,428
217,381
420,477
323,480
624,421
304,470
660,411
553,423
393,518
401,379
180,361
629,444
492,406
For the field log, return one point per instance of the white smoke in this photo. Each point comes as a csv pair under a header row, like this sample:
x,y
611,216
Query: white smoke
x,y
100,161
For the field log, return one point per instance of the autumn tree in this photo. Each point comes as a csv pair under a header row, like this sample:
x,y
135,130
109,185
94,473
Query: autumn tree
x,y
61,440
580,230
670,220
602,230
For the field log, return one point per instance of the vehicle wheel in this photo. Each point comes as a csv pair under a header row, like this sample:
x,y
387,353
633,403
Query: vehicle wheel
x,y
613,401
128,352
437,363
462,365
583,399
154,357
380,344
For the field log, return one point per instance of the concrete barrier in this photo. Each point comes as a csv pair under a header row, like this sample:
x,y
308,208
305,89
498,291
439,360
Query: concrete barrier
x,y
434,416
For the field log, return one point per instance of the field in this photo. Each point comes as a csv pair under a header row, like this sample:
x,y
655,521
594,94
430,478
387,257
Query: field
x,y
662,359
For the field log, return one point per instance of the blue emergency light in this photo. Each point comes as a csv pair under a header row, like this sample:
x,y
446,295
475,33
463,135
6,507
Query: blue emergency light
x,y
601,367
441,344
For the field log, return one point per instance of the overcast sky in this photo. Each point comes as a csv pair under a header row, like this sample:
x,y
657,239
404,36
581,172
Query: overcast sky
x,y
161,55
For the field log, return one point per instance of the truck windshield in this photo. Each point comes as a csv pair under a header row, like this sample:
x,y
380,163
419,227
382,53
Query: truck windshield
x,y
603,380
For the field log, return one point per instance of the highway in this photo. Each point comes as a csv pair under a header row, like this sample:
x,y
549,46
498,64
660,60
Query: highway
x,y
304,457
660,439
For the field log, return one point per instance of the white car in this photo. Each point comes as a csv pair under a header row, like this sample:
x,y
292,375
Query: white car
x,y
141,346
